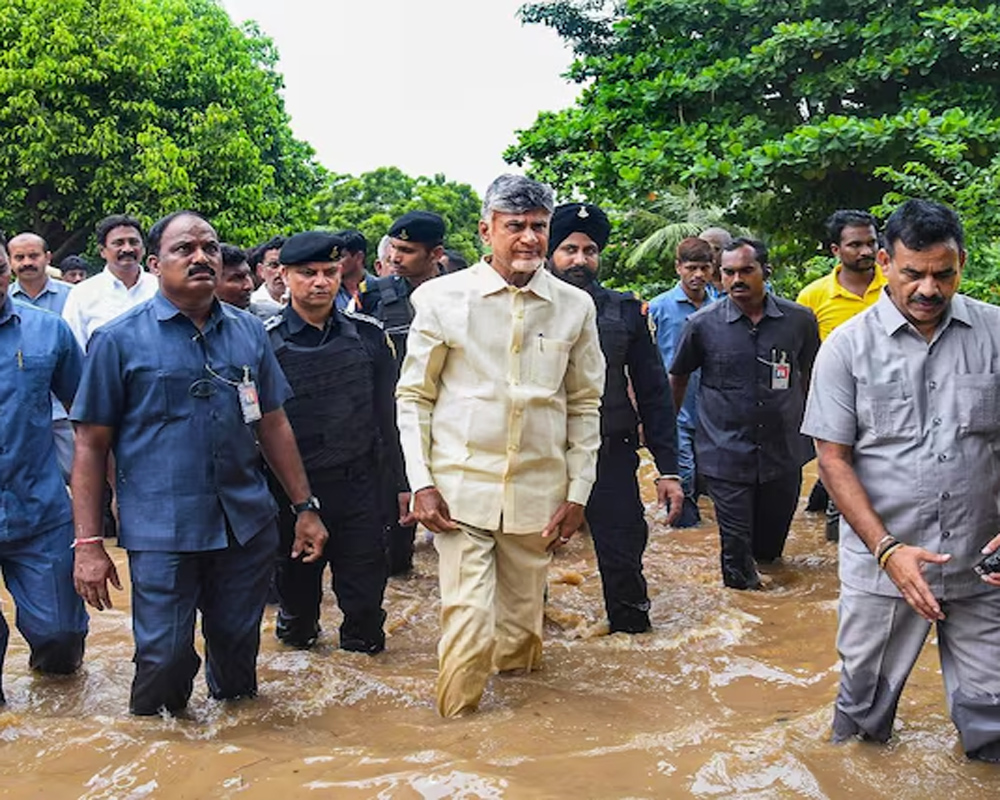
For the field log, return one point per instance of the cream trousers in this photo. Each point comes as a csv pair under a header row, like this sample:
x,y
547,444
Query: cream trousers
x,y
492,605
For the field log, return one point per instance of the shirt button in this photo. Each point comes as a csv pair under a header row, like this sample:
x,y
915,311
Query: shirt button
x,y
945,495
516,348
946,535
937,420
943,457
932,385
512,448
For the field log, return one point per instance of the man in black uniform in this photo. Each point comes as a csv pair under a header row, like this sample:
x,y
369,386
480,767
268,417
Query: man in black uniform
x,y
615,512
416,246
343,376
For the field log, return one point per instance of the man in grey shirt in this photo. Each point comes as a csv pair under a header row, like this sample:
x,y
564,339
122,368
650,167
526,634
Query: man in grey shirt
x,y
905,410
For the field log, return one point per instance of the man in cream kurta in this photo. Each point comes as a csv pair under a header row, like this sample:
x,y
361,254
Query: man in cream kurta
x,y
499,403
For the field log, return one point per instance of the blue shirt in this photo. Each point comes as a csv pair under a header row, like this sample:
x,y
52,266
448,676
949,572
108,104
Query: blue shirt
x,y
38,356
670,311
51,298
186,462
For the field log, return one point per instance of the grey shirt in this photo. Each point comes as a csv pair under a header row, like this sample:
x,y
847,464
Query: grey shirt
x,y
924,421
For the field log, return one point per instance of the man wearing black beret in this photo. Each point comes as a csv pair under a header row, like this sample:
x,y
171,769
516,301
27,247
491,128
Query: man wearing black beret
x,y
343,375
416,246
615,513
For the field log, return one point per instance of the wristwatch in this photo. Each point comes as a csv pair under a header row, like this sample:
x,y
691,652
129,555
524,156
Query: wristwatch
x,y
311,503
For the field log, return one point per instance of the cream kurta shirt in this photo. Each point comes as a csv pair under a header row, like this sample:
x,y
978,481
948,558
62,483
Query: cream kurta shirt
x,y
499,397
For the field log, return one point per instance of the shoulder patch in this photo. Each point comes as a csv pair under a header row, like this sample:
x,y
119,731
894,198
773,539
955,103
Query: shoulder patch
x,y
357,315
273,322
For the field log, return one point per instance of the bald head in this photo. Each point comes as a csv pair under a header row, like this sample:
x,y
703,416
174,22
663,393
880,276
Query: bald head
x,y
29,257
719,238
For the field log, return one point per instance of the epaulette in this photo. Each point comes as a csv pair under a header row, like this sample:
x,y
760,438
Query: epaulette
x,y
364,318
273,322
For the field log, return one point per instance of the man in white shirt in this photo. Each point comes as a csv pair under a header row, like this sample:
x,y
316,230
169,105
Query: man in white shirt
x,y
121,285
499,418
270,297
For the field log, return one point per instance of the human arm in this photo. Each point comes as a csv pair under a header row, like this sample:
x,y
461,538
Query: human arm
x,y
384,402
416,394
73,314
277,443
688,356
92,566
905,565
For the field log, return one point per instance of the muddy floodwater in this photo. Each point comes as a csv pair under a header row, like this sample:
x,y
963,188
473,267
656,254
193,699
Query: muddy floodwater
x,y
729,696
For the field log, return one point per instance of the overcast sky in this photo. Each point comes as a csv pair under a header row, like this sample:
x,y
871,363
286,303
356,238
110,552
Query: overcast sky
x,y
425,85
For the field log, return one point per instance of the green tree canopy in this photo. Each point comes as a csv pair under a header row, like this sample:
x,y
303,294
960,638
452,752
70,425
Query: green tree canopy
x,y
372,201
143,106
779,110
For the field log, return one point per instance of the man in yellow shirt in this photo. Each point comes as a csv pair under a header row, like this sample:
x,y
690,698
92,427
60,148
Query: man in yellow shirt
x,y
499,418
854,284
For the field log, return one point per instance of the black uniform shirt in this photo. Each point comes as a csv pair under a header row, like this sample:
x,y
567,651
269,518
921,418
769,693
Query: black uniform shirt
x,y
630,354
748,431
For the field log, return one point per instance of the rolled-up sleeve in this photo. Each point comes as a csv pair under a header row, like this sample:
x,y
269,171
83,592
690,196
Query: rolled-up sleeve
x,y
831,408
417,391
584,387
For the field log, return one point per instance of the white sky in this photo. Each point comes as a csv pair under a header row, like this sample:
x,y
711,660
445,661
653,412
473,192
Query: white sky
x,y
425,85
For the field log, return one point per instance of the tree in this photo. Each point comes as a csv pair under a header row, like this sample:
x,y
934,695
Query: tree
x,y
788,109
372,201
143,106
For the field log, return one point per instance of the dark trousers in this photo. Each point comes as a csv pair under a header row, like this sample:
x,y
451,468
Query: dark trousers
x,y
617,523
38,572
398,538
229,588
754,519
351,509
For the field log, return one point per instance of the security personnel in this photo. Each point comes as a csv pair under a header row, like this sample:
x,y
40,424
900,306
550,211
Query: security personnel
x,y
615,512
343,375
416,247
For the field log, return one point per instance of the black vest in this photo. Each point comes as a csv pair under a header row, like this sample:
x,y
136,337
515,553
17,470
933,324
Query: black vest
x,y
617,412
333,410
396,312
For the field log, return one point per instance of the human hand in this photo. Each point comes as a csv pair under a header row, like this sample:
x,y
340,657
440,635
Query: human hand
x,y
670,495
92,569
567,520
431,510
406,517
991,546
310,537
905,568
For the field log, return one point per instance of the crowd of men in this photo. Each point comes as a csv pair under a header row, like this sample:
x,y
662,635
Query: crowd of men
x,y
253,417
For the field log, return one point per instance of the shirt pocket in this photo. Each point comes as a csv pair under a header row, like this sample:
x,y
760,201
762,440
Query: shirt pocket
x,y
730,371
166,395
547,362
888,410
36,386
977,403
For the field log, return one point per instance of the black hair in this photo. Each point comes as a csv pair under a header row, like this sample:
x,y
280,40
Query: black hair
x,y
847,218
75,262
156,232
354,241
918,224
108,224
456,261
232,256
760,253
256,254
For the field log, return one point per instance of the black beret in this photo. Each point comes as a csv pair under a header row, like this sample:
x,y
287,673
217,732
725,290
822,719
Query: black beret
x,y
425,227
578,218
311,246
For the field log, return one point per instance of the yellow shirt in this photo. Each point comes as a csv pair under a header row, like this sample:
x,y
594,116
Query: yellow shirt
x,y
833,304
499,396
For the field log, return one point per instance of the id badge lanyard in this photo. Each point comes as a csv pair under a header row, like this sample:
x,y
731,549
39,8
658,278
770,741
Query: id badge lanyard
x,y
781,369
246,388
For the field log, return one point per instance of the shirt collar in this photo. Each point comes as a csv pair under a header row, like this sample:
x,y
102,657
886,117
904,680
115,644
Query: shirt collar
x,y
678,294
16,288
491,281
296,324
116,281
165,310
892,318
878,281
733,311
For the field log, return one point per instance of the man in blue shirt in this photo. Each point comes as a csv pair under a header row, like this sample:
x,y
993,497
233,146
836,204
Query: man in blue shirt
x,y
183,388
30,258
669,311
38,356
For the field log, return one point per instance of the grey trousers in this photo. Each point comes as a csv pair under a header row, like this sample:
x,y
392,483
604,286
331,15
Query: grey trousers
x,y
879,640
62,433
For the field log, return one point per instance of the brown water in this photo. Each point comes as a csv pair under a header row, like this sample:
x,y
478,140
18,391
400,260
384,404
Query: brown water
x,y
730,696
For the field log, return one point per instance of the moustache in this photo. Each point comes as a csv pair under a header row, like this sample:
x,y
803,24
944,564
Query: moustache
x,y
937,300
126,254
201,269
739,286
